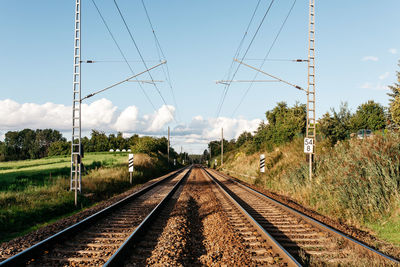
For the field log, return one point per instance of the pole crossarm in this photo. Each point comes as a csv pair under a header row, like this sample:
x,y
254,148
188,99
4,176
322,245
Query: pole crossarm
x,y
226,82
123,81
270,75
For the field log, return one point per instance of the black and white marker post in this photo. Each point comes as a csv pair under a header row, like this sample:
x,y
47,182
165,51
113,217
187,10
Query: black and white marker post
x,y
130,163
262,163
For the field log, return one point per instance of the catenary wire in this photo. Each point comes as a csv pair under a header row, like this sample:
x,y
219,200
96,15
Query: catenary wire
x,y
239,49
244,55
160,50
121,52
141,57
266,58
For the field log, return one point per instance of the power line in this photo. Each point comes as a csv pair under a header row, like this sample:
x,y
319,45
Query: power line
x,y
266,57
247,50
121,52
160,50
239,48
141,57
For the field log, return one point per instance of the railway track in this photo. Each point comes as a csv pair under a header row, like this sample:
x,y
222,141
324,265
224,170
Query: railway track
x,y
293,238
103,235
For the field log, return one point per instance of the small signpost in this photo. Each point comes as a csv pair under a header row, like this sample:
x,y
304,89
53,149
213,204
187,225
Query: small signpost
x,y
262,163
130,164
174,162
308,145
215,163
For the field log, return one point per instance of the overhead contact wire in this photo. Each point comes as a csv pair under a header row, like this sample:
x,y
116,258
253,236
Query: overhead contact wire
x,y
239,48
247,50
265,58
143,61
121,52
160,50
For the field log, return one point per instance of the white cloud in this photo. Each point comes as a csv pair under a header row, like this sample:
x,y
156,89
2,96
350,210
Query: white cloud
x,y
371,86
163,116
105,116
384,76
393,51
101,114
370,58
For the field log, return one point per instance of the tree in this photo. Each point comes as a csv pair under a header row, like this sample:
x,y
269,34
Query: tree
x,y
99,141
394,101
369,115
335,127
285,123
243,138
2,151
60,148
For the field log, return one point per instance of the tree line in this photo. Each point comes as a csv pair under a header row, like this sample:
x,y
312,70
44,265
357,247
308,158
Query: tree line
x,y
285,123
35,144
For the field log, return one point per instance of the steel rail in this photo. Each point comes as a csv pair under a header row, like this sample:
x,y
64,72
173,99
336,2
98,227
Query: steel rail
x,y
38,249
283,253
117,259
323,227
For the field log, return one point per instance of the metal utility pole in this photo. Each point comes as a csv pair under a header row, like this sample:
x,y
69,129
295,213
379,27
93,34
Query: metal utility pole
x,y
168,144
76,175
222,146
311,123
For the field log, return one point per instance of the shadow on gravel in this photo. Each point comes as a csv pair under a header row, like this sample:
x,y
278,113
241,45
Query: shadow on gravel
x,y
194,247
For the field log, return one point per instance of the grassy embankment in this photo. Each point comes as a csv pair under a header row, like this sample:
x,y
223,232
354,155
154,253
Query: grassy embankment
x,y
356,182
35,192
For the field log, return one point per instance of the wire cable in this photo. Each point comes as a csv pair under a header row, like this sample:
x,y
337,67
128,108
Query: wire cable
x,y
247,50
122,53
141,57
239,49
160,50
266,58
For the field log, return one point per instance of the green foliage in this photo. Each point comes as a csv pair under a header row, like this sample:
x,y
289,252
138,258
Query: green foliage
x,y
285,123
394,102
151,145
60,148
369,115
244,138
29,144
337,126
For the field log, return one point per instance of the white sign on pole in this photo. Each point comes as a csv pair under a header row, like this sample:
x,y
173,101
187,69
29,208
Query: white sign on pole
x,y
174,162
262,163
308,145
216,163
130,162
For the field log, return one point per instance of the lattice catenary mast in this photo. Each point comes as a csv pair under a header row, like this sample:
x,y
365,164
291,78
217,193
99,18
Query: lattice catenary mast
x,y
311,122
76,175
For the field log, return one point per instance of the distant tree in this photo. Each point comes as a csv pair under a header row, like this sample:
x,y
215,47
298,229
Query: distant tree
x,y
243,138
370,115
284,123
60,148
2,151
394,101
336,126
99,141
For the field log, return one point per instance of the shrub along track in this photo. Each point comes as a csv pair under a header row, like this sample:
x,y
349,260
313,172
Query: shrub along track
x,y
93,244
354,232
303,238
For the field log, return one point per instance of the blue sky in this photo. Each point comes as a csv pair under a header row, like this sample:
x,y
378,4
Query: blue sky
x,y
358,47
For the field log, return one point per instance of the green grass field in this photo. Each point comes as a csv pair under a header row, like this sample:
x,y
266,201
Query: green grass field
x,y
35,192
16,175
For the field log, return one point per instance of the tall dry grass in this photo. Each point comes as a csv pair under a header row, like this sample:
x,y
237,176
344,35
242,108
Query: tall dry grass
x,y
357,181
